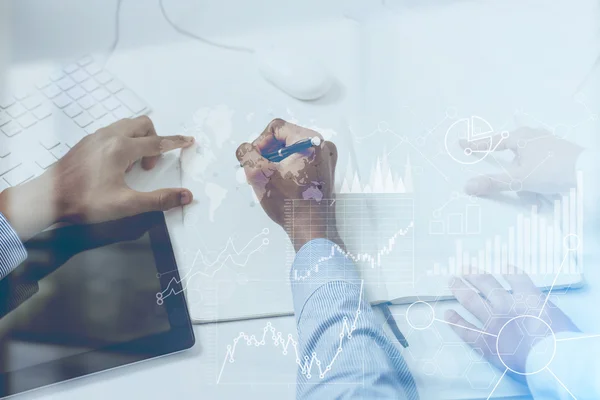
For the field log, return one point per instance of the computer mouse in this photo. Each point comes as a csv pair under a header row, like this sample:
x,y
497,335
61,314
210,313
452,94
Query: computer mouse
x,y
299,76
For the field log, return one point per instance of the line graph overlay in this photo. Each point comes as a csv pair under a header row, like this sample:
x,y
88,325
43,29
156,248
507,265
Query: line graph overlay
x,y
377,233
306,364
229,253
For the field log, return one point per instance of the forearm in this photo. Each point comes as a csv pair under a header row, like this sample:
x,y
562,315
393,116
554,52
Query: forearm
x,y
30,208
342,350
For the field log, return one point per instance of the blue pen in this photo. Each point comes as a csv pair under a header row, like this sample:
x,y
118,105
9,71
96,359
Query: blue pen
x,y
285,152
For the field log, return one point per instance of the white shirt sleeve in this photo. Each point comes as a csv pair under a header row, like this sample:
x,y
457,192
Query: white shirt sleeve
x,y
573,372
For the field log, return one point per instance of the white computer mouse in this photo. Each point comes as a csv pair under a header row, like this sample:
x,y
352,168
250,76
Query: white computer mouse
x,y
299,76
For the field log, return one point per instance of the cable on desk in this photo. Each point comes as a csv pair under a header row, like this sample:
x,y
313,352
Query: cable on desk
x,y
117,38
199,38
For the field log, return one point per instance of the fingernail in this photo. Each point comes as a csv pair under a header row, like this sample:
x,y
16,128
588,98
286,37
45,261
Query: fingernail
x,y
185,198
189,139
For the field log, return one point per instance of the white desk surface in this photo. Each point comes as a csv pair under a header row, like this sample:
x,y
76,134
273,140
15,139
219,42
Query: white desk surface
x,y
46,32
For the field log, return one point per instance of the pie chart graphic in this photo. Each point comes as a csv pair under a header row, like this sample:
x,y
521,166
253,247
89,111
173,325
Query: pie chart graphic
x,y
473,130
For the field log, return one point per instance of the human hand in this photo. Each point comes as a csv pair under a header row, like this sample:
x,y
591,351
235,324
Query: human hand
x,y
543,163
88,183
309,175
511,323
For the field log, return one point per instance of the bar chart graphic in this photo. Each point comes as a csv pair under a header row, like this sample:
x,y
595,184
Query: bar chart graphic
x,y
536,244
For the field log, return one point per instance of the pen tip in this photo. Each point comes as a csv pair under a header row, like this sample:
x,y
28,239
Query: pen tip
x,y
316,141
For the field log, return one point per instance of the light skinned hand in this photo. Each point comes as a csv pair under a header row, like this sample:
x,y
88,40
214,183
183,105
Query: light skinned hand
x,y
88,183
309,175
494,307
543,164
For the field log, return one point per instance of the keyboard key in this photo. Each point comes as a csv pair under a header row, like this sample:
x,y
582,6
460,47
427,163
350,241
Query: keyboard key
x,y
83,120
11,129
98,111
42,112
62,100
7,101
73,140
86,102
107,120
21,94
132,102
93,69
115,86
44,83
104,77
73,110
60,151
76,93
100,94
111,104
4,149
45,159
32,102
93,127
90,85
8,163
18,175
66,83
85,61
123,112
3,185
16,110
57,75
69,69
80,76
27,120
52,91
49,141
4,119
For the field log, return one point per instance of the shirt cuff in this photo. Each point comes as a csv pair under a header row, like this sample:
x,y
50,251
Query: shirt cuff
x,y
12,251
319,262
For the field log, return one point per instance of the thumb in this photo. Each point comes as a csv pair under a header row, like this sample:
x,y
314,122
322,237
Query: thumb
x,y
159,200
485,185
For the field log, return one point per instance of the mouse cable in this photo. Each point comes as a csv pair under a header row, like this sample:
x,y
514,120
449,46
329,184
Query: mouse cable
x,y
117,38
199,38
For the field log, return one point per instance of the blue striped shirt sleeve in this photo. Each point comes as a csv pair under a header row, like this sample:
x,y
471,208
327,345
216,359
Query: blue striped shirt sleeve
x,y
12,251
343,352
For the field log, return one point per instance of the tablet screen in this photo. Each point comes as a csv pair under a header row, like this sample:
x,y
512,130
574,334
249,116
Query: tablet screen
x,y
83,290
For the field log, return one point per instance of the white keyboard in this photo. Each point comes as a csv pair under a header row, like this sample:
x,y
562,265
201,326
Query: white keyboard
x,y
38,127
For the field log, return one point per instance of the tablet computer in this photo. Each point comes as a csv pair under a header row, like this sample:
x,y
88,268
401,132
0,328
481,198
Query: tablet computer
x,y
85,301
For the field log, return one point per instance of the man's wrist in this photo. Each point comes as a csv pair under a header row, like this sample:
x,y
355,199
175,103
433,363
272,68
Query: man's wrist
x,y
30,207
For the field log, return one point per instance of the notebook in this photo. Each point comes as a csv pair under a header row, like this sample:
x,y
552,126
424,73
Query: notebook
x,y
407,232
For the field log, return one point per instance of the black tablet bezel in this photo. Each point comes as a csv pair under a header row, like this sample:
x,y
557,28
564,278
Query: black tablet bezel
x,y
180,337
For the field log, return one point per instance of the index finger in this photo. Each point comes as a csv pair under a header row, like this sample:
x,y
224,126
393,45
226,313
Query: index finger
x,y
280,133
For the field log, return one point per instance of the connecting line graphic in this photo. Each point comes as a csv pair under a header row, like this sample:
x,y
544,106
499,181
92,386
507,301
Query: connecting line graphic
x,y
307,363
373,261
230,251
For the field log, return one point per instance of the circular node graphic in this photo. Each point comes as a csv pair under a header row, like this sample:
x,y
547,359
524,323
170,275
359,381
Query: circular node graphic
x,y
468,137
437,214
571,242
522,143
420,315
505,134
516,324
516,186
265,241
383,126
